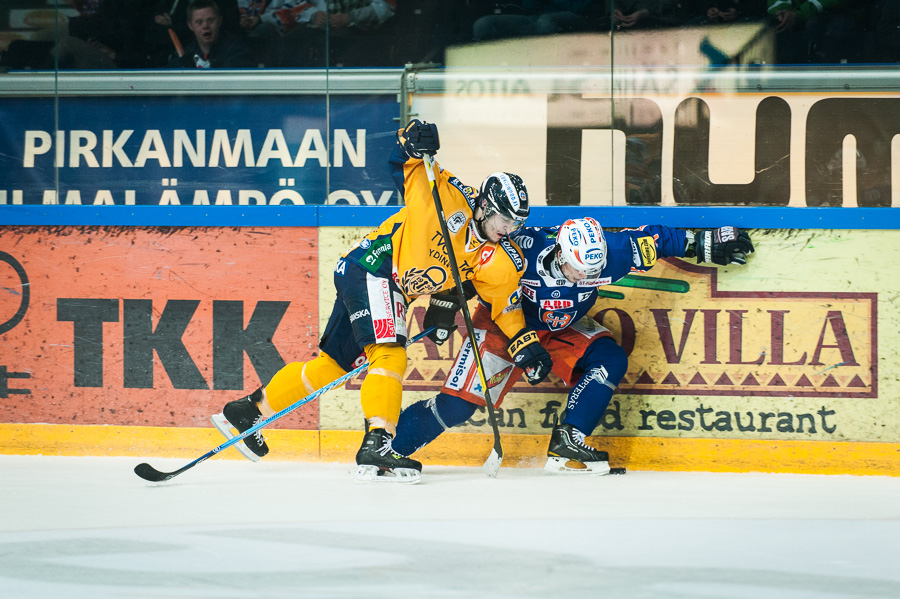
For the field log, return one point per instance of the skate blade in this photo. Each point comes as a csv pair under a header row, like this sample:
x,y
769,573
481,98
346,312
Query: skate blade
x,y
557,465
374,474
223,426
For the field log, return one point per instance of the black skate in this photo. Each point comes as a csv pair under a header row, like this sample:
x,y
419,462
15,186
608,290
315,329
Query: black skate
x,y
377,461
241,415
568,453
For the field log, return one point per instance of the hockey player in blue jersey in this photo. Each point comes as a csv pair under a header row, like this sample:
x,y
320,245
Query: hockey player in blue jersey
x,y
564,267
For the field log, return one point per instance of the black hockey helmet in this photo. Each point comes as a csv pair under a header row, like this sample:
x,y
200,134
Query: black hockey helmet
x,y
505,194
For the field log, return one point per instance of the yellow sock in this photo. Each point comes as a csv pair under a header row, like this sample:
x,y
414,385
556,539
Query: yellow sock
x,y
381,394
297,380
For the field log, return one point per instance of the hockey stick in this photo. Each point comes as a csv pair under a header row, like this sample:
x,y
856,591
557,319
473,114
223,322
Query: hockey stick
x,y
492,464
148,472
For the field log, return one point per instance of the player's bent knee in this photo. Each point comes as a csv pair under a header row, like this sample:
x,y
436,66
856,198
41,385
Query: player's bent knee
x,y
388,358
451,410
609,354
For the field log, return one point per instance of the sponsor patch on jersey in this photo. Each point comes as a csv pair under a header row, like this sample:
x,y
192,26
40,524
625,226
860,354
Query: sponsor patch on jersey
x,y
341,267
465,361
499,378
513,252
496,370
365,242
381,307
556,304
400,315
486,254
466,190
635,253
584,295
595,282
376,254
648,250
529,293
384,329
456,222
589,327
359,314
531,282
515,297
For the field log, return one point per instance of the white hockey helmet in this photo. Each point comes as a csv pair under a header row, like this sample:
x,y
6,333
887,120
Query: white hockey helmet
x,y
580,244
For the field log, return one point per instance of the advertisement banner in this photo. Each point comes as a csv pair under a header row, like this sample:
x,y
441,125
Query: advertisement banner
x,y
781,348
151,326
649,145
211,150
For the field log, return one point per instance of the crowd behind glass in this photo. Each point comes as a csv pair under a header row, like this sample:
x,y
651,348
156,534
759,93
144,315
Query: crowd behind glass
x,y
139,34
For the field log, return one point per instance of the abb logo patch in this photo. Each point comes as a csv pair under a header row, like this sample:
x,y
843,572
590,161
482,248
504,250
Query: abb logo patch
x,y
556,304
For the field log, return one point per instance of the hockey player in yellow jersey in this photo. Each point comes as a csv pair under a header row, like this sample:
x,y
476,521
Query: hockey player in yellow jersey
x,y
376,279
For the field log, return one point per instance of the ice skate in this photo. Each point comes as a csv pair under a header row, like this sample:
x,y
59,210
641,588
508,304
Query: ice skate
x,y
377,461
241,415
569,454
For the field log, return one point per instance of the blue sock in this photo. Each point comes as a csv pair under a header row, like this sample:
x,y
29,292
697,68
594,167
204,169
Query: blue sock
x,y
604,364
424,421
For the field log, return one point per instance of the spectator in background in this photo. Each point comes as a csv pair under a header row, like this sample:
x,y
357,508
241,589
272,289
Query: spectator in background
x,y
212,47
106,34
266,21
172,14
351,27
816,31
886,20
640,14
539,17
719,12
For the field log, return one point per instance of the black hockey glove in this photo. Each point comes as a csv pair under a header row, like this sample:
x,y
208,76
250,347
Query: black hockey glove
x,y
527,354
725,245
419,138
441,314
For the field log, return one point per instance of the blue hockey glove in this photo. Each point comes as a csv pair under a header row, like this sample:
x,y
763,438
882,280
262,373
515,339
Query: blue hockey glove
x,y
527,354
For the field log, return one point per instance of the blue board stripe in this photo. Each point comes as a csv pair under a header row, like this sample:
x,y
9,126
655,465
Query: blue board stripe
x,y
371,216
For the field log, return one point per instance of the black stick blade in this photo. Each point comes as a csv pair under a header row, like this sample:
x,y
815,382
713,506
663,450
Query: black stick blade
x,y
148,472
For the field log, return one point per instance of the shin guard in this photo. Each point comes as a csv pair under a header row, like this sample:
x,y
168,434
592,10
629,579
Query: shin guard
x,y
381,394
297,380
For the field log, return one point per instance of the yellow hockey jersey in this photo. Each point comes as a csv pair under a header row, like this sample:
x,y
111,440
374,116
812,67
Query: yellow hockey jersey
x,y
410,248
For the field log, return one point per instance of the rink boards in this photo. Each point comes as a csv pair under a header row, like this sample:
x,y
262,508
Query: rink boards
x,y
123,340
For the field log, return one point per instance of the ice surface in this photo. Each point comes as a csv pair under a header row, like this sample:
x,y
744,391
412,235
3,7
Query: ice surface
x,y
90,528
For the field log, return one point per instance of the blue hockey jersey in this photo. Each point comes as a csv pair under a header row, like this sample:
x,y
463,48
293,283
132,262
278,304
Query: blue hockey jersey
x,y
551,302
